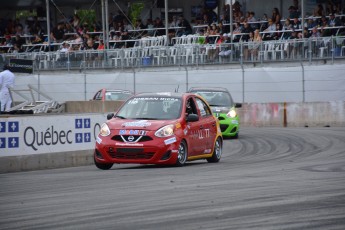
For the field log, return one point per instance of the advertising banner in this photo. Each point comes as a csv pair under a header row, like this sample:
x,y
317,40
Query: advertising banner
x,y
48,134
21,65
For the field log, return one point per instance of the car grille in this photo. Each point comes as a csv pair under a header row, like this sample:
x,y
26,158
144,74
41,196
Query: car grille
x,y
130,153
130,138
223,127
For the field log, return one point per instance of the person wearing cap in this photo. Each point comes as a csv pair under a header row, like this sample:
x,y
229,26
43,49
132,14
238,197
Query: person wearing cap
x,y
333,22
7,79
225,50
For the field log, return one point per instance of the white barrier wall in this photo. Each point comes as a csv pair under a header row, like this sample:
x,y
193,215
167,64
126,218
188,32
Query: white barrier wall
x,y
249,85
27,135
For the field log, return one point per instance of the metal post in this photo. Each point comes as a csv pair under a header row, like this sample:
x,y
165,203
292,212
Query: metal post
x,y
230,21
302,15
106,38
48,23
166,22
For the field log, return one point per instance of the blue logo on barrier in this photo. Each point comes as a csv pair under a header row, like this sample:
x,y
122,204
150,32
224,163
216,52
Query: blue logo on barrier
x,y
87,123
78,123
13,126
78,138
13,142
87,137
2,127
2,142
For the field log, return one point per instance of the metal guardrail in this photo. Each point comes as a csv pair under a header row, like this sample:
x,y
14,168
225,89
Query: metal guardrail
x,y
188,52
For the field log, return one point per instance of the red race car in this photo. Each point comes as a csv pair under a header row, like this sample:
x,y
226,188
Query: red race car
x,y
159,128
112,95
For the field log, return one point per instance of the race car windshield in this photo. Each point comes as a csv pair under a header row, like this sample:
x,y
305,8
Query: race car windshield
x,y
115,96
217,98
151,108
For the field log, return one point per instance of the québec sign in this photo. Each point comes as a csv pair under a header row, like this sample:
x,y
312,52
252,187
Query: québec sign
x,y
52,133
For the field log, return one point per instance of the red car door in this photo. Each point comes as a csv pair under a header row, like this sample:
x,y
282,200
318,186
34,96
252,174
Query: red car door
x,y
192,131
208,126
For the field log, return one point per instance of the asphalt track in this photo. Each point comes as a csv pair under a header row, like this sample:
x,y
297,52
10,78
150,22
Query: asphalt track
x,y
270,178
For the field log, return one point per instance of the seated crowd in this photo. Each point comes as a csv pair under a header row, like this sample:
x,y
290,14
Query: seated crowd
x,y
74,35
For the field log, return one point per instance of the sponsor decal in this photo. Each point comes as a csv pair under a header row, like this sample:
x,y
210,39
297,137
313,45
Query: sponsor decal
x,y
200,134
132,132
98,140
207,151
185,131
170,141
142,123
234,122
178,125
174,151
128,144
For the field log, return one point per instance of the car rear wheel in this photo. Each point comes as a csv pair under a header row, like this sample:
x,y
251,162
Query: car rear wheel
x,y
217,151
102,165
182,154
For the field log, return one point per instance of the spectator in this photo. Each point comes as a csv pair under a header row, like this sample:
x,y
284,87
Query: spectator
x,y
333,22
159,24
296,25
310,23
58,33
225,50
150,25
319,11
246,30
187,27
270,30
17,48
249,48
286,27
279,32
275,16
76,21
293,13
315,33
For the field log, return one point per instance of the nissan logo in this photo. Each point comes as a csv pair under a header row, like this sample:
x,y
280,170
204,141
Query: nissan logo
x,y
130,138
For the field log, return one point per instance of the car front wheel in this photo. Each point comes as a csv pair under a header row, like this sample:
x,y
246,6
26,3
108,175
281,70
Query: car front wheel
x,y
182,154
217,151
102,165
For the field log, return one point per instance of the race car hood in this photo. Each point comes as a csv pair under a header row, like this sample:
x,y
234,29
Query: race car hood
x,y
220,109
138,124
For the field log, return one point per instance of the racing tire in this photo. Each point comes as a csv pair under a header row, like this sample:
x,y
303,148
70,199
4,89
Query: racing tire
x,y
101,165
182,154
217,151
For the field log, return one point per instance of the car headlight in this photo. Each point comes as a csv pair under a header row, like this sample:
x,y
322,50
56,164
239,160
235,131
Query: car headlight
x,y
231,113
105,131
165,131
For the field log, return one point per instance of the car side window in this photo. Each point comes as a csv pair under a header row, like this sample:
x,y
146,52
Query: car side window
x,y
190,106
98,95
204,109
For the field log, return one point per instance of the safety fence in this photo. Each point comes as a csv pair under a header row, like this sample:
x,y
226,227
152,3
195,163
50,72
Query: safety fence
x,y
188,52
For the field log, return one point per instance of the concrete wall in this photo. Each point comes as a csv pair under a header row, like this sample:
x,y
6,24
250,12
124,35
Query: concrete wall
x,y
35,153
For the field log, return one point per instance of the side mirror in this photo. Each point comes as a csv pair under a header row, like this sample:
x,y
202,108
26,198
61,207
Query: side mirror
x,y
192,117
110,116
238,105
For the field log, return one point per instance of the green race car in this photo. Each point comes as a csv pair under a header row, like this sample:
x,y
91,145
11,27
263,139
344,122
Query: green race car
x,y
223,107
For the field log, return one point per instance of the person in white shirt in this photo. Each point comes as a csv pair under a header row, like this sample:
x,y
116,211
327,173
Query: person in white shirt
x,y
7,79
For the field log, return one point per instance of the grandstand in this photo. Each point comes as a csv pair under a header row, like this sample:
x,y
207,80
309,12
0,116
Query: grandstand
x,y
196,34
130,45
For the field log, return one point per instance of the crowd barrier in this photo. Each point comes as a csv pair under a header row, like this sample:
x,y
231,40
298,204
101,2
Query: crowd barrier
x,y
187,51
